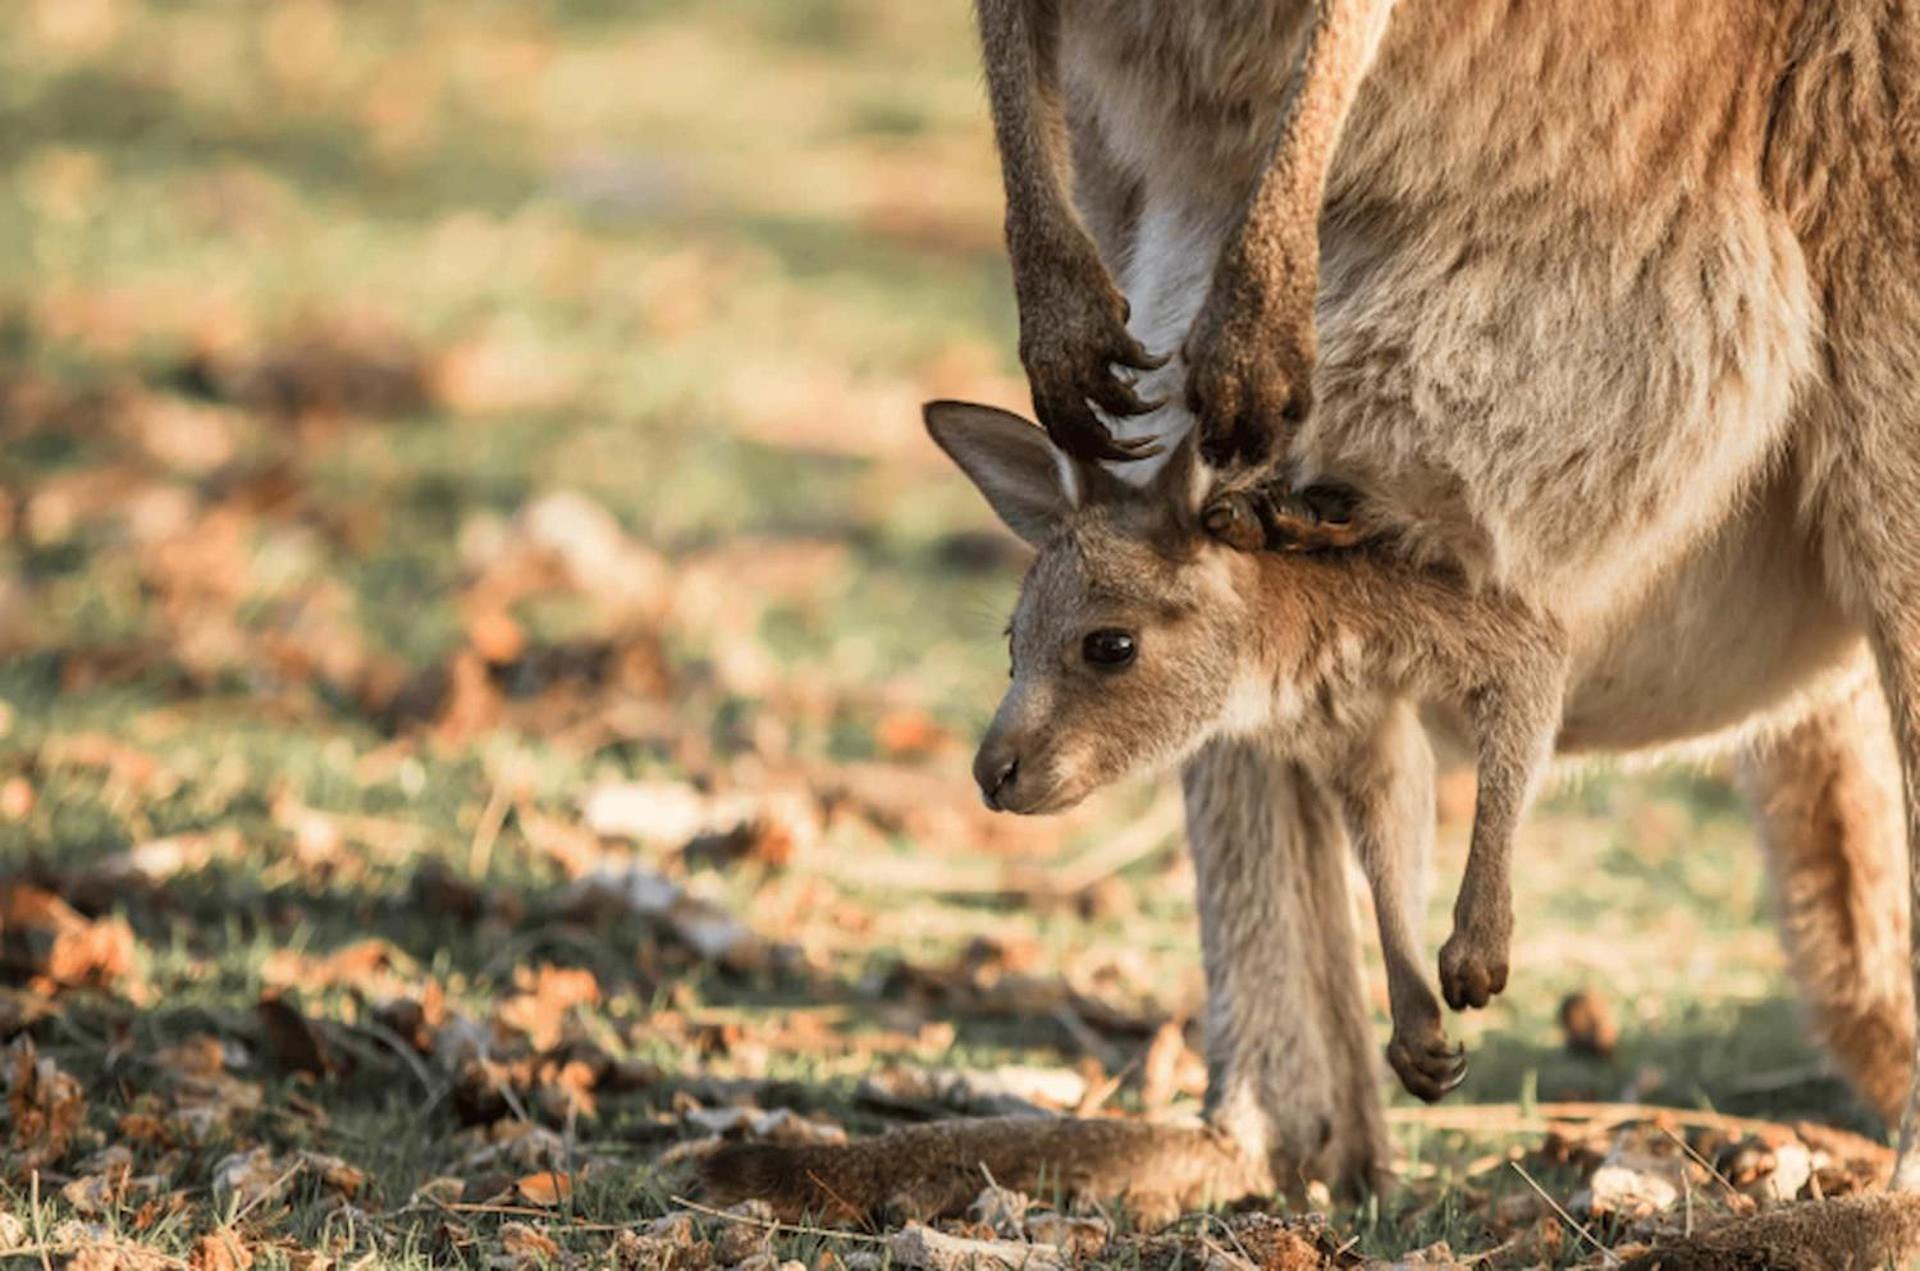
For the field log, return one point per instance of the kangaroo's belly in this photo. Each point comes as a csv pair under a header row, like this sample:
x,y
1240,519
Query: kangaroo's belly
x,y
1741,629
1189,95
1561,327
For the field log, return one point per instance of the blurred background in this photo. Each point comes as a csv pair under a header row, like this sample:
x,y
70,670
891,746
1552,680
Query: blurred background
x,y
488,658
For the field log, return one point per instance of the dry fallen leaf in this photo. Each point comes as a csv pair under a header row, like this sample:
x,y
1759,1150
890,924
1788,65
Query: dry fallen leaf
x,y
294,1041
335,1173
546,996
910,733
59,948
45,1108
222,1250
247,1178
548,1188
527,1245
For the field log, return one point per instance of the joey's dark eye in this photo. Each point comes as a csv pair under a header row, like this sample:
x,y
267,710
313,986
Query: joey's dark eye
x,y
1110,648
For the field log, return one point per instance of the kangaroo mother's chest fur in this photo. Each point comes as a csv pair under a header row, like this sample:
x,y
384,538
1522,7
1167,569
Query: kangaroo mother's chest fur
x,y
1562,323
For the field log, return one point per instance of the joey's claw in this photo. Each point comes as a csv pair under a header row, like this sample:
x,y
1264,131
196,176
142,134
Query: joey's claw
x,y
1232,519
1310,520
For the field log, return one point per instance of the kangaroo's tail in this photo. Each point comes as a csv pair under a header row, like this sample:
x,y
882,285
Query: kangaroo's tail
x,y
926,1171
1853,1232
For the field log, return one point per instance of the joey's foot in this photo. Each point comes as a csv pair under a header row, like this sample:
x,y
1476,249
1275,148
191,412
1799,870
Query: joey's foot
x,y
1249,374
1473,968
1426,1064
1078,354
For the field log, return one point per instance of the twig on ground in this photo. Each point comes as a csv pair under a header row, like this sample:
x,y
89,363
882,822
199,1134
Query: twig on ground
x,y
1611,1258
1085,1038
40,1224
1231,1259
398,1045
272,1189
1227,1230
1704,1163
1487,1118
764,1224
517,1211
487,832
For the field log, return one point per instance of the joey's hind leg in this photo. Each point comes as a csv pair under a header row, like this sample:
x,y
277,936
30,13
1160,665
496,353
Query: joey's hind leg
x,y
1517,722
1386,793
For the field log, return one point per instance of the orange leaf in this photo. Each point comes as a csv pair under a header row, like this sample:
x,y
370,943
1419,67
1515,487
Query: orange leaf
x,y
548,1188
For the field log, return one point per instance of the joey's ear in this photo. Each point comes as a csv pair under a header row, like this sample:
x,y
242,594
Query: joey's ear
x,y
1183,481
1031,485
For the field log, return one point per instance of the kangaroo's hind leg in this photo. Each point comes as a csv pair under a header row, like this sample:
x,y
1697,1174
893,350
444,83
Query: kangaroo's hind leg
x,y
1877,550
1843,164
1827,796
1866,429
1290,1069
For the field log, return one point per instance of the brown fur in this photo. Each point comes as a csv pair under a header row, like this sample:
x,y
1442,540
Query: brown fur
x,y
1328,654
1827,793
1627,342
1616,313
1854,1233
1073,320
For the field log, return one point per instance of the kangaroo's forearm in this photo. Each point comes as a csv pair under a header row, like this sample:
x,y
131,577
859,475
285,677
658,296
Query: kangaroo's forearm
x,y
1021,40
1342,37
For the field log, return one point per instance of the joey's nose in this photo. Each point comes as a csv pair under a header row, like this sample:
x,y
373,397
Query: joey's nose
x,y
996,774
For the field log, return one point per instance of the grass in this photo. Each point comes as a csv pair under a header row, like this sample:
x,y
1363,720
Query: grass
x,y
306,312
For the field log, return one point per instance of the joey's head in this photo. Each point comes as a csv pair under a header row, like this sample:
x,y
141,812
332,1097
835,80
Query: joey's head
x,y
1132,642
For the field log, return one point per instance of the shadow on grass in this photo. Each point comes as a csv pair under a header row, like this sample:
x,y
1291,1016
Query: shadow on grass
x,y
1751,1058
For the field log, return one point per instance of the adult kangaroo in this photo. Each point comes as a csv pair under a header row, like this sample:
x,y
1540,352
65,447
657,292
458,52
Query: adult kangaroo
x,y
1616,308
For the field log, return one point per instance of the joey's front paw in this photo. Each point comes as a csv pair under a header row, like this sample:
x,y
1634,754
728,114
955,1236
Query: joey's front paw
x,y
1249,377
1427,1065
1273,516
1078,354
1473,967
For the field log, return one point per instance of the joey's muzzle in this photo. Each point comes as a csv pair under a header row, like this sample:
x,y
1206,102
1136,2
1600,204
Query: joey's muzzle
x,y
996,769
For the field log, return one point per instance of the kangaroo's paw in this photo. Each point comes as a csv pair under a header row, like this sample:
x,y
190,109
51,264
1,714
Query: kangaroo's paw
x,y
1078,354
1249,373
1426,1064
1473,967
